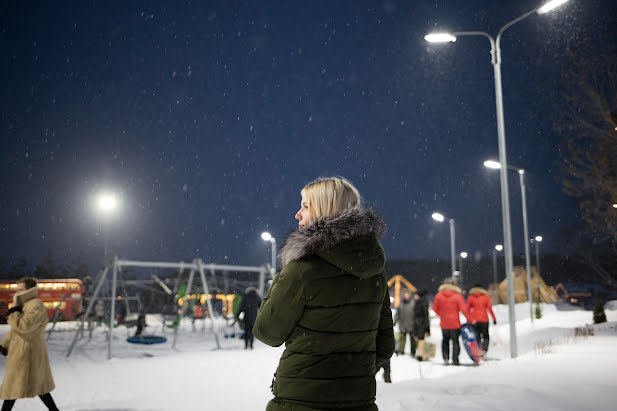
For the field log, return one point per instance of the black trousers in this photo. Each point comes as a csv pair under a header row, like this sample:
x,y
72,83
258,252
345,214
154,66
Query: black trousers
x,y
7,405
248,337
482,331
450,335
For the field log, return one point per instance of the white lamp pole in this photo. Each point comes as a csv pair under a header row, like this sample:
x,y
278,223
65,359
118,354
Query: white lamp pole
x,y
460,266
495,165
268,237
501,137
440,218
499,248
537,240
106,203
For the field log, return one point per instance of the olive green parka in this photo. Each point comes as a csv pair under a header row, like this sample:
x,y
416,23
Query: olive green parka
x,y
331,307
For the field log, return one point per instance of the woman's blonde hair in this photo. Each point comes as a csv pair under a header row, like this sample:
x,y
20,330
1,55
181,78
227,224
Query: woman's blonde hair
x,y
330,195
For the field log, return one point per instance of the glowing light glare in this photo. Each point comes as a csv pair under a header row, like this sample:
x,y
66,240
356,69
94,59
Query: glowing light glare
x,y
615,205
440,38
438,217
551,5
495,165
538,238
266,236
499,247
107,202
463,255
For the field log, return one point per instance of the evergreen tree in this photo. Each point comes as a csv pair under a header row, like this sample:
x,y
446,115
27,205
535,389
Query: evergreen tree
x,y
538,310
599,316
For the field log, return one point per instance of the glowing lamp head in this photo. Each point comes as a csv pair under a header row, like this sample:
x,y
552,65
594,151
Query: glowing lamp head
x,y
615,205
440,38
538,238
463,255
495,165
107,203
266,236
499,247
553,4
438,217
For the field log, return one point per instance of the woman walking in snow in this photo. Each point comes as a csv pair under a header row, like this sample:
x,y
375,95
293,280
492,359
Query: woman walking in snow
x,y
329,304
28,373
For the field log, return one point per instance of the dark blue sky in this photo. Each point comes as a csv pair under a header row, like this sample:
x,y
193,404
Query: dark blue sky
x,y
209,117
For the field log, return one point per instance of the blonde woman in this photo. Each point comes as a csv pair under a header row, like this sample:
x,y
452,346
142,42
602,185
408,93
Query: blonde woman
x,y
329,304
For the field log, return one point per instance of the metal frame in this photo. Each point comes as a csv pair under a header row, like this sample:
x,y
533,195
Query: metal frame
x,y
197,265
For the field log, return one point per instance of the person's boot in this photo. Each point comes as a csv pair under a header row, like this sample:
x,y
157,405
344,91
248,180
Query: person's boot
x,y
455,362
386,377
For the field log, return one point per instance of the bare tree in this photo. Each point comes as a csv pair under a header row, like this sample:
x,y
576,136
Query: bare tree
x,y
587,123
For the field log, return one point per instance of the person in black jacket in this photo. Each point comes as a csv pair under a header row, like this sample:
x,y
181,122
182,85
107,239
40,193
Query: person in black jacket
x,y
249,306
422,323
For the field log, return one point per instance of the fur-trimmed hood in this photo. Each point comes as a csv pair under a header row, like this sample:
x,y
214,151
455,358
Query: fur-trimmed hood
x,y
479,290
27,295
451,287
327,235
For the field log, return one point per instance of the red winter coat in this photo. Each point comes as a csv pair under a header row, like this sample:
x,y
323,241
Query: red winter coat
x,y
479,303
447,305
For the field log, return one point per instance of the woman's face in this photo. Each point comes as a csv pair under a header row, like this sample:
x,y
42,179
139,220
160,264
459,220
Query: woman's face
x,y
21,287
303,215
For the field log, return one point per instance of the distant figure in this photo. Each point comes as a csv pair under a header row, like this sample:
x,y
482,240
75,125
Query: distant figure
x,y
99,312
250,307
329,304
447,305
479,303
141,323
422,323
404,316
28,373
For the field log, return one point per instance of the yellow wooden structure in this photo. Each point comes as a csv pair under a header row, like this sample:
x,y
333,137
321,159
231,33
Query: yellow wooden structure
x,y
397,280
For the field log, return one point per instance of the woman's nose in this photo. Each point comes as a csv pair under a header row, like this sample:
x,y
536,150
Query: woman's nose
x,y
298,216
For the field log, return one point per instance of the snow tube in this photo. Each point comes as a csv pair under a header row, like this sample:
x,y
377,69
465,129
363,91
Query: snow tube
x,y
146,339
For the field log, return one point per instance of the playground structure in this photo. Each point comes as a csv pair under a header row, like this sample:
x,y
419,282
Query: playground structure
x,y
114,270
397,280
573,298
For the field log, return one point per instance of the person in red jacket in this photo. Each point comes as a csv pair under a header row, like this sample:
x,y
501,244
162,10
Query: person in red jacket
x,y
479,303
448,303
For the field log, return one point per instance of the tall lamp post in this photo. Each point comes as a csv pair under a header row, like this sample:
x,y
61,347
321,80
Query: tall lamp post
x,y
495,165
266,236
106,204
440,218
499,248
460,266
501,134
537,240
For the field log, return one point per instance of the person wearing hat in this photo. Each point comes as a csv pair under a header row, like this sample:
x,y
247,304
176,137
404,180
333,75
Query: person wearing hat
x,y
479,304
448,303
422,323
404,317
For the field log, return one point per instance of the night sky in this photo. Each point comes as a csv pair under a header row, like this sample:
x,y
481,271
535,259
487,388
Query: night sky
x,y
209,117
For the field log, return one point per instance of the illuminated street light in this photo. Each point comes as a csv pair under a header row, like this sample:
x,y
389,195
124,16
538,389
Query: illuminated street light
x,y
501,139
615,205
440,38
107,203
440,218
266,236
497,248
495,165
537,239
463,255
550,6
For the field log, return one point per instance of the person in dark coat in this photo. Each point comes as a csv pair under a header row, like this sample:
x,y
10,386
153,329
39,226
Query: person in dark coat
x,y
422,323
249,306
329,304
448,303
404,317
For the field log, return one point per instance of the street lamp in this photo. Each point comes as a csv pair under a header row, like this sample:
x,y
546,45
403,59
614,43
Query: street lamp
x,y
266,236
501,134
495,165
440,218
106,204
499,248
615,205
537,240
463,256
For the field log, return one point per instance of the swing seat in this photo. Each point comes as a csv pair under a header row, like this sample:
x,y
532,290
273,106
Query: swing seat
x,y
146,339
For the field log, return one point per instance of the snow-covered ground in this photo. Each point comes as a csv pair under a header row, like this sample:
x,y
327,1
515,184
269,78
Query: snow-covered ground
x,y
554,371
